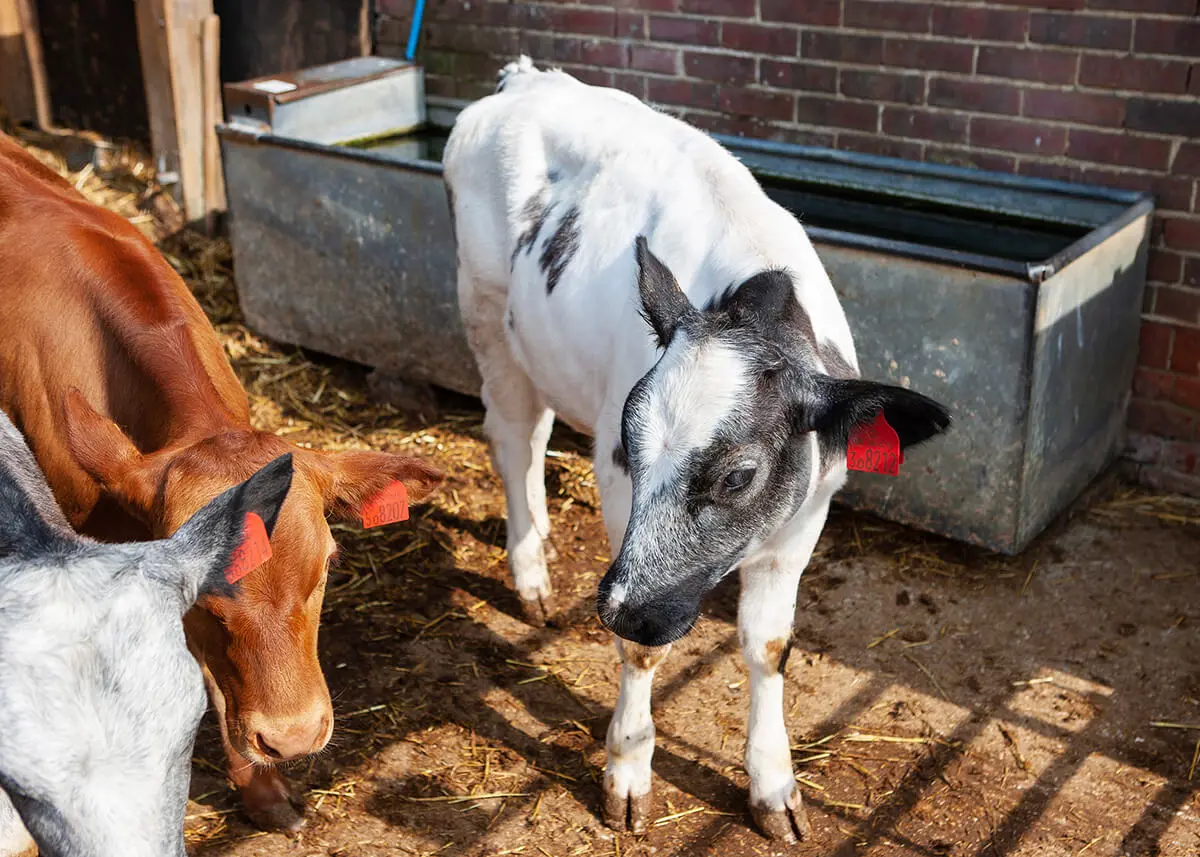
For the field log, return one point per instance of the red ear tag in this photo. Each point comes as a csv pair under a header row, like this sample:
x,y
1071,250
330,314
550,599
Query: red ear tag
x,y
875,448
254,550
387,507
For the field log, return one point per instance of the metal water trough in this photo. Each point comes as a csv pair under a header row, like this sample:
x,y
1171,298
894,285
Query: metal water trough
x,y
1015,301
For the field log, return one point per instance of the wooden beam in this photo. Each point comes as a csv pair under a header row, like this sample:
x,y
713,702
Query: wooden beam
x,y
214,181
185,22
16,83
160,100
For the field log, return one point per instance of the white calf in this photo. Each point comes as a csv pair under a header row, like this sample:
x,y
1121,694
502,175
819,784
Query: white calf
x,y
721,408
99,697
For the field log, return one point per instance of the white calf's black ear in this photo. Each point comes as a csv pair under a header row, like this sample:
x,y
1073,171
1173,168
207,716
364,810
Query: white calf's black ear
x,y
845,404
206,544
664,305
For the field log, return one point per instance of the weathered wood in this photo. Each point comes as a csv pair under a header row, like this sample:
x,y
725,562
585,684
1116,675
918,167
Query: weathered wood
x,y
214,181
184,23
160,102
16,83
271,36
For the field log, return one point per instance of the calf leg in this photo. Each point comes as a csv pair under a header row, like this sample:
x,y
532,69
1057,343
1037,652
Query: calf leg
x,y
765,614
518,426
631,739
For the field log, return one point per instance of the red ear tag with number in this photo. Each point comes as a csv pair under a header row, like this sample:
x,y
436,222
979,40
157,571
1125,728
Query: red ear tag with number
x,y
387,507
254,550
875,448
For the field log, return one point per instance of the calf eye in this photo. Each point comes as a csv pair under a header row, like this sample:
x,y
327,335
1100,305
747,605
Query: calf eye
x,y
738,479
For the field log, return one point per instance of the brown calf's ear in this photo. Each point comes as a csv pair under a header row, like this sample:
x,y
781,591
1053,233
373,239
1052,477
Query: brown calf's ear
x,y
359,477
108,455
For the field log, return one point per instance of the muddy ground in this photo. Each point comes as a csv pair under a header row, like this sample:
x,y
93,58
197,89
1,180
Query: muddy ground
x,y
942,701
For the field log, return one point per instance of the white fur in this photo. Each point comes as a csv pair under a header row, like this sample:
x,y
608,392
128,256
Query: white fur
x,y
579,350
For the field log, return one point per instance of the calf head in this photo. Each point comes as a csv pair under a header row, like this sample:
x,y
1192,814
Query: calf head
x,y
727,437
99,697
258,648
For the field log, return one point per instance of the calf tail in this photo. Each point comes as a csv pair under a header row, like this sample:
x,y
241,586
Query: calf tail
x,y
523,65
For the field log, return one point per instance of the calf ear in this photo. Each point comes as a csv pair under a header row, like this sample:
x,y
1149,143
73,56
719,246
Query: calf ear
x,y
109,456
220,543
360,477
664,305
845,404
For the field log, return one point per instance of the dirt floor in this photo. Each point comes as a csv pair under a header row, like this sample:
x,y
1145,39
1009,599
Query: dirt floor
x,y
942,701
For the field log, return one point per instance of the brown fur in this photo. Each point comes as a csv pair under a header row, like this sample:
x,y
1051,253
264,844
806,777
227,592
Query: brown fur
x,y
120,385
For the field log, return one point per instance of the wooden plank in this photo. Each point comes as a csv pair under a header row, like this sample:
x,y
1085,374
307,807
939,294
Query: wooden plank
x,y
214,181
184,22
16,83
160,101
37,64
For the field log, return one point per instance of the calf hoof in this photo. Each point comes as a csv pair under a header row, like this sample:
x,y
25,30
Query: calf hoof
x,y
537,611
789,824
626,812
270,804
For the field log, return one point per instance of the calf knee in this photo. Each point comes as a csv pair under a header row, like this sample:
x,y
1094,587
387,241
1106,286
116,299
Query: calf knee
x,y
768,656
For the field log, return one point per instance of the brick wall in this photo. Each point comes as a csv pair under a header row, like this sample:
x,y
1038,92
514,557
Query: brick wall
x,y
1100,91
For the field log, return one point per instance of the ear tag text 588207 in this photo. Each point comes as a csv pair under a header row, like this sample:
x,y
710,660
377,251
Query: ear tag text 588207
x,y
254,550
387,507
875,448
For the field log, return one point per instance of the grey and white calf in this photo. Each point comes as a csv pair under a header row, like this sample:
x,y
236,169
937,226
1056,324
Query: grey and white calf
x,y
99,697
620,269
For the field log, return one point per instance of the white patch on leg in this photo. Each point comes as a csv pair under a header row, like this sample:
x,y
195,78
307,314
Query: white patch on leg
x,y
631,732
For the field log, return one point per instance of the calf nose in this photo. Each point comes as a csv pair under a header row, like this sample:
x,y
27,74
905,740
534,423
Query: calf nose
x,y
651,624
280,739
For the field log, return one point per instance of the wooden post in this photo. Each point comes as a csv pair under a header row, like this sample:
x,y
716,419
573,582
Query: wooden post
x,y
214,181
160,102
16,84
37,65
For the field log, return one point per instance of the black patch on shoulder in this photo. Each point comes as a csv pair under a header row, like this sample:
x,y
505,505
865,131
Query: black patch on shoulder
x,y
24,533
620,459
534,213
553,176
560,249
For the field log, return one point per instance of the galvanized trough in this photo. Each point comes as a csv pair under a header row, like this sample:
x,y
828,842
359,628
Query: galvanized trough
x,y
1015,301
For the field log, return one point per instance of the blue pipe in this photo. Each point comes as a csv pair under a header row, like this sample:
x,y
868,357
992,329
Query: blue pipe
x,y
414,31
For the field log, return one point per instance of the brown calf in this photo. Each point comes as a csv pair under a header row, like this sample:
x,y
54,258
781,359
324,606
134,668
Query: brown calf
x,y
111,370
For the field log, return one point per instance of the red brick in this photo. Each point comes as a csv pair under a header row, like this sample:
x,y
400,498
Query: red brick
x,y
1049,170
1042,4
1081,31
928,55
883,86
724,8
691,31
759,103
590,74
1185,392
655,59
836,112
872,144
759,39
1012,136
1152,384
1181,456
974,95
1170,192
838,47
971,158
1161,419
1160,116
644,5
687,93
819,13
1137,74
1178,304
1181,233
1187,160
583,22
739,126
975,22
440,86
606,54
1041,66
1166,36
925,124
804,77
1074,106
1191,272
1164,266
723,68
1165,7
1194,79
634,84
1104,148
1185,354
631,25
1155,345
1144,448
891,16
